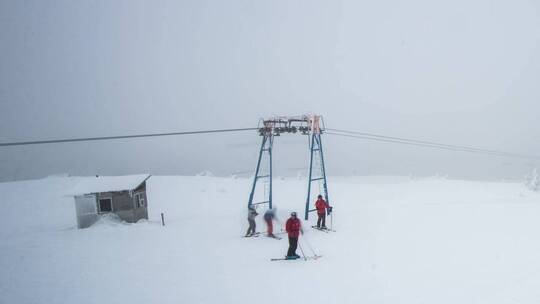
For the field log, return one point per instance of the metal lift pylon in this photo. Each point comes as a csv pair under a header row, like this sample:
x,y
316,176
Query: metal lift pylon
x,y
311,125
316,149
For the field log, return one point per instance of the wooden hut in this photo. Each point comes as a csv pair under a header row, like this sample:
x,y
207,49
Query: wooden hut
x,y
124,196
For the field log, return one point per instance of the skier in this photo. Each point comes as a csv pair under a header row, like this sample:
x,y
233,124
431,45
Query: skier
x,y
269,216
293,228
251,219
321,205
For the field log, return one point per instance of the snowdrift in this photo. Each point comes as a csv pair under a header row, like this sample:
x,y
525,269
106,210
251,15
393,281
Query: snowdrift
x,y
397,241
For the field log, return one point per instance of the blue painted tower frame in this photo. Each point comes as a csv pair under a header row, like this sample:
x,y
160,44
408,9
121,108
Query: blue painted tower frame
x,y
316,147
266,148
306,125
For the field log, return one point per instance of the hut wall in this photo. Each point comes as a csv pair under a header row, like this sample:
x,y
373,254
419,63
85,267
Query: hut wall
x,y
124,206
141,212
86,210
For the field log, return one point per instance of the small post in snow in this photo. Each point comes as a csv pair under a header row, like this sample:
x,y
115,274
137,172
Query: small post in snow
x,y
162,219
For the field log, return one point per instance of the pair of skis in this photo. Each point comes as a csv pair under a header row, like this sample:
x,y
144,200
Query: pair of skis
x,y
305,258
323,229
257,234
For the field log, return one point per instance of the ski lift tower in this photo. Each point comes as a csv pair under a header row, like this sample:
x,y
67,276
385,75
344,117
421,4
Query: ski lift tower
x,y
309,125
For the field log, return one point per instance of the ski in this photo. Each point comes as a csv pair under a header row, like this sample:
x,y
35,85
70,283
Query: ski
x,y
284,259
320,229
278,232
314,257
256,234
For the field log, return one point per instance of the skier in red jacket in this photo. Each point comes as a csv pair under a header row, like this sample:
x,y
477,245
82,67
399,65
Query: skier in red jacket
x,y
293,228
321,205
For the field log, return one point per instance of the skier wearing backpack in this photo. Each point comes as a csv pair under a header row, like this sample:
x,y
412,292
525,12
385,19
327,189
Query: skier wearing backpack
x,y
293,226
321,205
269,216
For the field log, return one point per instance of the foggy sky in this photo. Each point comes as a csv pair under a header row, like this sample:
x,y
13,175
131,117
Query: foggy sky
x,y
459,72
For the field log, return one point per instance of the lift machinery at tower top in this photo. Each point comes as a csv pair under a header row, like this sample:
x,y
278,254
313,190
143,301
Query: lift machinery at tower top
x,y
310,125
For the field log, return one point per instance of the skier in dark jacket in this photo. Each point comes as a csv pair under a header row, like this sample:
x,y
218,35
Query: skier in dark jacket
x,y
251,219
269,216
321,205
293,226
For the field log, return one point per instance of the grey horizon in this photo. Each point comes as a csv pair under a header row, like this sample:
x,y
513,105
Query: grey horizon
x,y
464,73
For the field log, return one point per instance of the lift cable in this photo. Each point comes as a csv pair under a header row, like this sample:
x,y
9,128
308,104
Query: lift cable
x,y
337,132
55,141
427,144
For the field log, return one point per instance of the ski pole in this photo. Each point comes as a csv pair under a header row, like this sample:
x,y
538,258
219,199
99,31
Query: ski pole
x,y
332,220
309,246
280,224
301,250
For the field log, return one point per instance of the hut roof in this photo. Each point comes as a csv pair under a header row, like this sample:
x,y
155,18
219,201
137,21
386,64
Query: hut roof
x,y
108,183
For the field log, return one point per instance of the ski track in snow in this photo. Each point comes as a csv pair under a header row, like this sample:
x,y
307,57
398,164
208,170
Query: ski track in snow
x,y
397,241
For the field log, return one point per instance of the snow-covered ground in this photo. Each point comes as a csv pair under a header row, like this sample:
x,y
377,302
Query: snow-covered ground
x,y
397,241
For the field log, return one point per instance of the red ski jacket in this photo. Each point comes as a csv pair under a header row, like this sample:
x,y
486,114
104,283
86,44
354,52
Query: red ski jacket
x,y
321,206
293,227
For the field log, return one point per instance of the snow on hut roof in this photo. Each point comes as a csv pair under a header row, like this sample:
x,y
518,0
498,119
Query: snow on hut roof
x,y
108,183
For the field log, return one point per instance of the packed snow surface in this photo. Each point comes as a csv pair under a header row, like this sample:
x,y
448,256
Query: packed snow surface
x,y
397,240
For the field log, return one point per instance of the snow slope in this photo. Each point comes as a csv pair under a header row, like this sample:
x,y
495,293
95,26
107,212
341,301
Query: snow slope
x,y
397,241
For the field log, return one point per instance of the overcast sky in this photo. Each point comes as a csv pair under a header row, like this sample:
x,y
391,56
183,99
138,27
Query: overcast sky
x,y
460,72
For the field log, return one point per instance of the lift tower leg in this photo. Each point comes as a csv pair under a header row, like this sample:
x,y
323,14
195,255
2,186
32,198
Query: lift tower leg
x,y
316,174
266,149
